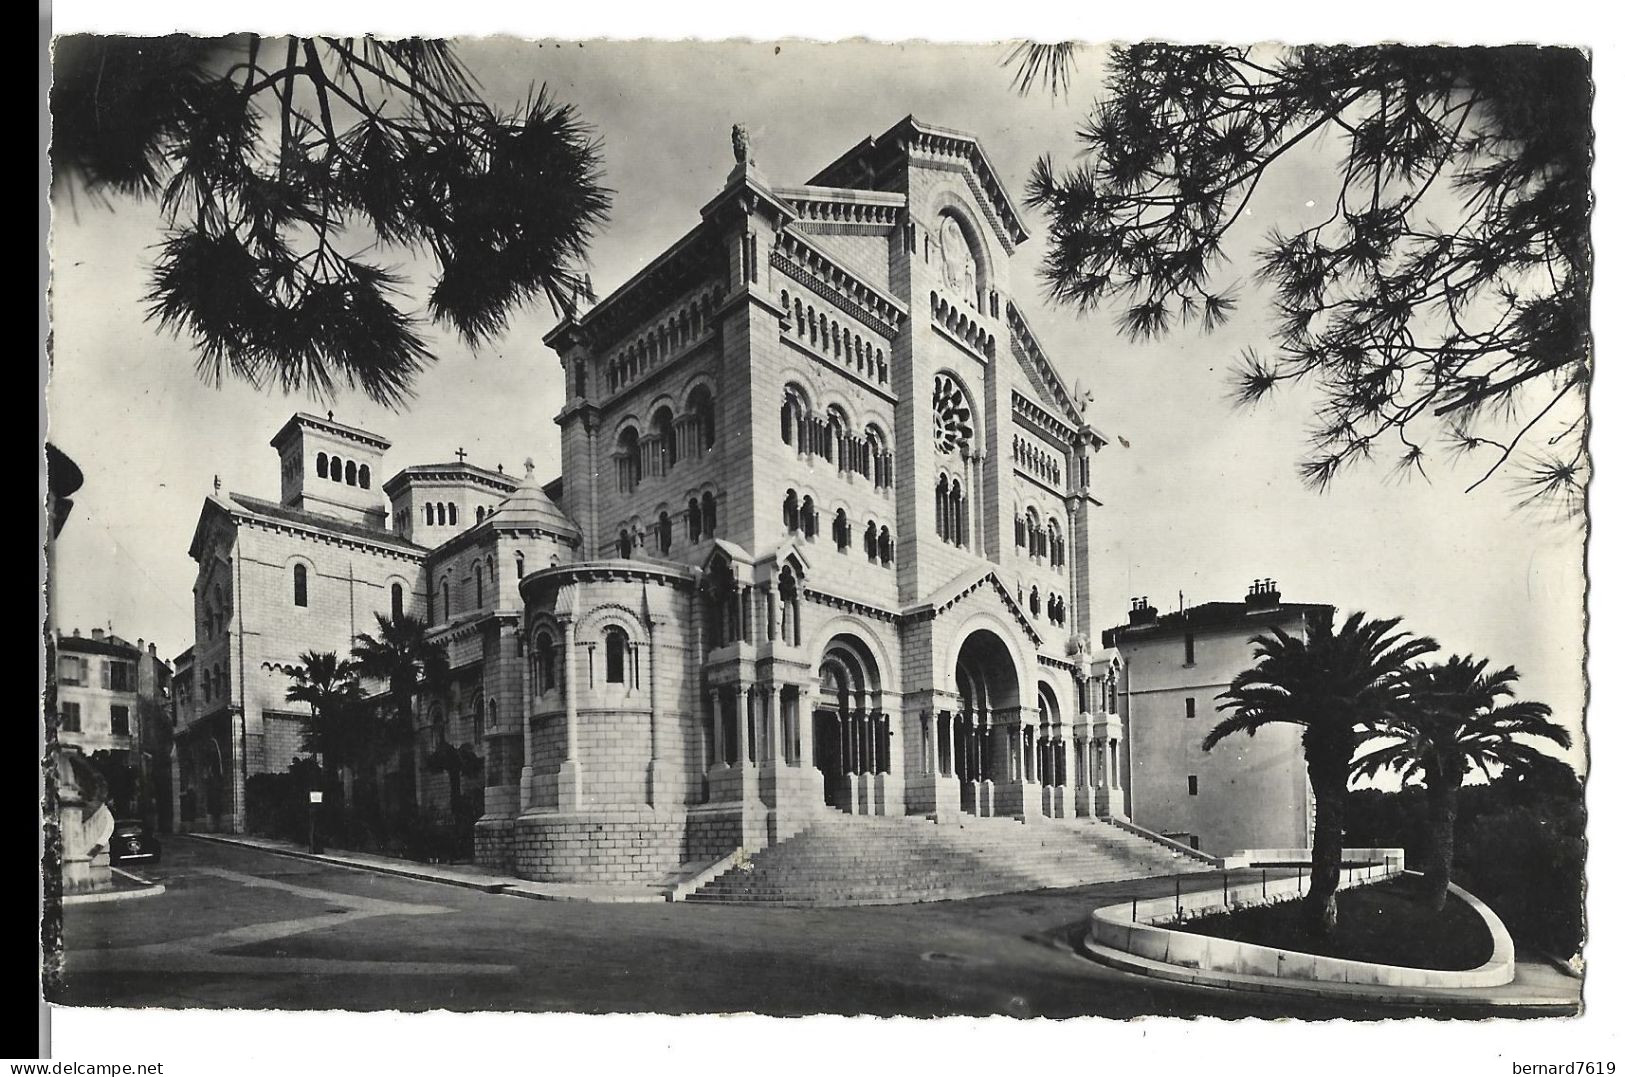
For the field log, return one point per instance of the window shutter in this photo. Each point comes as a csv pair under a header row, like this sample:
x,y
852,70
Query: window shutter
x,y
107,675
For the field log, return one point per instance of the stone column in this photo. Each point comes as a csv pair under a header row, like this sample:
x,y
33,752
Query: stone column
x,y
527,767
570,768
933,765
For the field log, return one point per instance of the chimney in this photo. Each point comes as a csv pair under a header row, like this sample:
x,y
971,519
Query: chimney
x,y
95,633
1141,612
1263,593
152,649
76,633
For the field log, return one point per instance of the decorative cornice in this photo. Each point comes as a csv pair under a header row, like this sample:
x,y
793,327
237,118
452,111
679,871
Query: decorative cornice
x,y
671,273
1027,345
851,605
935,609
876,210
1041,420
243,517
458,473
328,426
799,258
926,144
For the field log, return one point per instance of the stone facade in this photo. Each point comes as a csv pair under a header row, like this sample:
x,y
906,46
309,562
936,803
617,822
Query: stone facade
x,y
819,542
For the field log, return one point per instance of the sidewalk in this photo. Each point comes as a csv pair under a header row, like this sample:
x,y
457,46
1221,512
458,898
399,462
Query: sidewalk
x,y
468,876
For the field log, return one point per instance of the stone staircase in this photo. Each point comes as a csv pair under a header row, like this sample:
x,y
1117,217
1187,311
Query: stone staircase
x,y
869,860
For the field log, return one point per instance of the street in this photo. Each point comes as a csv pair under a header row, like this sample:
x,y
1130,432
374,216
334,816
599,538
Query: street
x,y
243,928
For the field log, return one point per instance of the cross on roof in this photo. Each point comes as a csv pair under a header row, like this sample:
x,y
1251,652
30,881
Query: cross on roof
x,y
461,454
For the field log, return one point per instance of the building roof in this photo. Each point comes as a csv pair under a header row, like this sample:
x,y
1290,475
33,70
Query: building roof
x,y
453,471
328,426
529,507
275,511
108,644
1248,615
935,140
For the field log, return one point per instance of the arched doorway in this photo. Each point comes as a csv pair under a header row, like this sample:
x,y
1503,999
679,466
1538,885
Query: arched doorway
x,y
989,693
851,734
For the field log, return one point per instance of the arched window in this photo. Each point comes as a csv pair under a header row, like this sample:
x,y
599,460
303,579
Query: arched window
x,y
300,595
693,519
791,504
1021,531
363,476
1032,602
479,587
397,601
335,469
871,541
623,546
708,514
451,514
428,514
663,533
841,530
546,663
1035,534
809,517
885,545
793,419
942,506
703,409
445,599
479,514
956,514
665,446
1057,545
321,465
349,472
440,513
836,448
519,563
628,461
615,654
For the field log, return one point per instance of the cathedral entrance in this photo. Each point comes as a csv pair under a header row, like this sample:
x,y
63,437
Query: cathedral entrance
x,y
851,734
985,675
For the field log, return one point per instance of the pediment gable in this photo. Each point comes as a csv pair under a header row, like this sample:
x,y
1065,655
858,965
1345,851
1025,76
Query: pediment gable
x,y
969,583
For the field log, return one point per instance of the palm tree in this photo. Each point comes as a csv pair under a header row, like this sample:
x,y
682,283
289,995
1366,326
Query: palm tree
x,y
403,657
1453,723
327,685
1336,685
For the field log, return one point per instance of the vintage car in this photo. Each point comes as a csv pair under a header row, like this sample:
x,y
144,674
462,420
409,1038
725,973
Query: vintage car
x,y
132,840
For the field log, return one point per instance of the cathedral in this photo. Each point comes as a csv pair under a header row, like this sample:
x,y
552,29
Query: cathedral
x,y
819,543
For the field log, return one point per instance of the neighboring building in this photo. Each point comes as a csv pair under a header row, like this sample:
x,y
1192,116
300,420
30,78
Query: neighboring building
x,y
1249,792
114,696
820,541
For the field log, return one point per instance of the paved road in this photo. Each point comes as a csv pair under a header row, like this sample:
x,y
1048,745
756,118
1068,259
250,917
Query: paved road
x,y
243,928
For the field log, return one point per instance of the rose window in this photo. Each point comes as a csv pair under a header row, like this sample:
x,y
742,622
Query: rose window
x,y
951,415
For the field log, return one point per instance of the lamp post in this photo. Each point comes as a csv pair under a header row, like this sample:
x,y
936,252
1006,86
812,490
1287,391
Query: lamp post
x,y
315,831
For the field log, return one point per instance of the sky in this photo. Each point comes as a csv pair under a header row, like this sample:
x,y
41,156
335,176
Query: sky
x,y
1198,498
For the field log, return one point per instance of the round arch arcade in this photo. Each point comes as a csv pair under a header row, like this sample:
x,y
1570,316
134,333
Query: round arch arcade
x,y
851,732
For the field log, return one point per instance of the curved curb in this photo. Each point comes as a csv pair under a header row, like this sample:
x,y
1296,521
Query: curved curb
x,y
148,888
1165,953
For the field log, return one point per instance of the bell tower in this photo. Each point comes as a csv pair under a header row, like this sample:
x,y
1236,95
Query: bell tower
x,y
331,469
